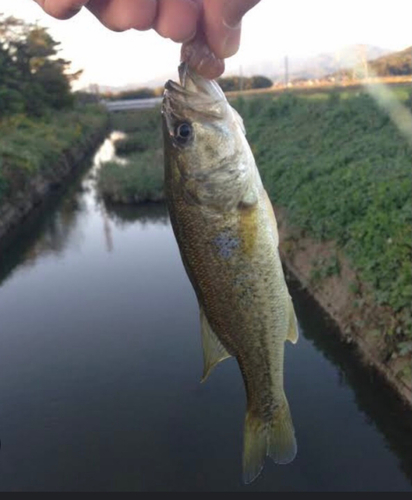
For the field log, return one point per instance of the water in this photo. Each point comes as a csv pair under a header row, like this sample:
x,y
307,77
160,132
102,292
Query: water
x,y
100,363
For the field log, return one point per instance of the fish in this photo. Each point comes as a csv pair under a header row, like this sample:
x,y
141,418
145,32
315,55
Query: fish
x,y
226,231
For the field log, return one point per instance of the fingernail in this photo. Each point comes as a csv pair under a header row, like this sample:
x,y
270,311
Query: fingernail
x,y
231,43
188,38
233,15
232,24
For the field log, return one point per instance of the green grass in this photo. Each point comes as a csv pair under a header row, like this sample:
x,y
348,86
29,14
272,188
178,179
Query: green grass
x,y
343,172
139,142
32,146
334,161
141,178
143,121
138,181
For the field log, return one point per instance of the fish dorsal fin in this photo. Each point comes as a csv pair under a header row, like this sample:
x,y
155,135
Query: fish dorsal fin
x,y
293,331
213,350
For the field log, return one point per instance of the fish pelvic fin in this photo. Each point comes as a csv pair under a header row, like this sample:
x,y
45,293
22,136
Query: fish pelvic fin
x,y
275,439
293,331
213,350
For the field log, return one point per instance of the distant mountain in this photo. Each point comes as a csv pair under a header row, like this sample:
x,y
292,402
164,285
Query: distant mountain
x,y
317,66
397,63
325,64
393,64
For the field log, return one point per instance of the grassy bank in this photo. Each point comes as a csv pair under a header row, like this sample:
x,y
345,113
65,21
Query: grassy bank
x,y
33,147
37,154
342,172
139,177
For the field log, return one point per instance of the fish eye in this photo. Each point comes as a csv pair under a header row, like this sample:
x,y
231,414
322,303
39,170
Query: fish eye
x,y
183,133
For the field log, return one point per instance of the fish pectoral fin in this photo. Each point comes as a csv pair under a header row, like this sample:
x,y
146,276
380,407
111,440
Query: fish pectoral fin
x,y
249,199
293,331
239,119
213,350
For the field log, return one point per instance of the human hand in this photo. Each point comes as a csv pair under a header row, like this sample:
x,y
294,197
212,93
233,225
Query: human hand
x,y
209,29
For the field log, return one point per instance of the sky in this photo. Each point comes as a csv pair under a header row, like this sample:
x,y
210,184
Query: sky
x,y
273,29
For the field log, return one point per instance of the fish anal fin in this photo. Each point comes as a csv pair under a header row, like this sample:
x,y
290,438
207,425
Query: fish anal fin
x,y
293,331
213,350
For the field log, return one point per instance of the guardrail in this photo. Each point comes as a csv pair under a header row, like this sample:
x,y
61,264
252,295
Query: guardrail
x,y
132,104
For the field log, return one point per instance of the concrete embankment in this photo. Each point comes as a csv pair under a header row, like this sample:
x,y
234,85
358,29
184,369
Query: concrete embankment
x,y
360,320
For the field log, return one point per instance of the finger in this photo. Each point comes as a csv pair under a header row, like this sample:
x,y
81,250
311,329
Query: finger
x,y
63,9
121,15
222,24
198,55
177,19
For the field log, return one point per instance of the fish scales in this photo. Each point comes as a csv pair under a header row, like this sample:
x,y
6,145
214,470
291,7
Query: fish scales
x,y
226,231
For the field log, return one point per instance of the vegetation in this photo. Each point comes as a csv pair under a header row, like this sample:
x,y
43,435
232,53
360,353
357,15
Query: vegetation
x,y
342,170
334,161
142,93
228,84
232,83
32,78
31,146
140,178
39,121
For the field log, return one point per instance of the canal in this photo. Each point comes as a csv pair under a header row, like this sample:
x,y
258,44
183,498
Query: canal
x,y
100,367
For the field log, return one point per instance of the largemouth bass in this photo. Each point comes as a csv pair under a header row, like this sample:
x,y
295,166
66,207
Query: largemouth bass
x,y
227,235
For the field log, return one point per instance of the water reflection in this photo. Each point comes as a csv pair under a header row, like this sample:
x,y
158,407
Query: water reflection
x,y
148,213
107,229
101,358
107,151
373,397
54,225
46,231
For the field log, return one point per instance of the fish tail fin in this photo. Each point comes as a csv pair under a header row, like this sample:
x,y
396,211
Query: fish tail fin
x,y
275,438
254,447
282,445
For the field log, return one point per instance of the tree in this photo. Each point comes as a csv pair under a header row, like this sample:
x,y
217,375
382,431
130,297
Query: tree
x,y
32,77
232,83
260,82
11,100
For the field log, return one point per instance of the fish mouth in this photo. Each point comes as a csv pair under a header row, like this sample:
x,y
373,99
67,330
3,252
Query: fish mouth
x,y
194,93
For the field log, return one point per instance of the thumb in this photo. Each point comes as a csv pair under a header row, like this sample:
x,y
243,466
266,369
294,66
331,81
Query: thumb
x,y
222,24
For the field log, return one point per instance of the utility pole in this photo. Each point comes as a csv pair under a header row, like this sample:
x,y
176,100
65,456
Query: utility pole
x,y
286,71
339,78
363,70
